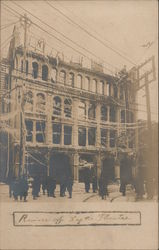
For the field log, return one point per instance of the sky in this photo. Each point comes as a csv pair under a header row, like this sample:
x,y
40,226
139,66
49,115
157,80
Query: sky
x,y
124,33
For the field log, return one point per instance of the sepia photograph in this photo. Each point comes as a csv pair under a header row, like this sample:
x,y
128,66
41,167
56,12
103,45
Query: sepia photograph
x,y
79,125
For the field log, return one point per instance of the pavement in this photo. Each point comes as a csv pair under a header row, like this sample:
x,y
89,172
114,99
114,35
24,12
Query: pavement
x,y
78,195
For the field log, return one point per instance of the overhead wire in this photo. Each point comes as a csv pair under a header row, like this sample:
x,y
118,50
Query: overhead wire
x,y
8,25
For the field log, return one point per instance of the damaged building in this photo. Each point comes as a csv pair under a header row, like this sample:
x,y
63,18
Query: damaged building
x,y
73,117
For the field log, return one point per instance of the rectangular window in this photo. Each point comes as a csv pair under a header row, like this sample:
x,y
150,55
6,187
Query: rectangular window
x,y
82,136
91,136
112,138
103,137
91,111
131,138
29,130
56,138
101,88
40,131
67,135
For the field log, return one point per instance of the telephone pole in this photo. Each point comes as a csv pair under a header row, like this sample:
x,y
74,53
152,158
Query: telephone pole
x,y
25,22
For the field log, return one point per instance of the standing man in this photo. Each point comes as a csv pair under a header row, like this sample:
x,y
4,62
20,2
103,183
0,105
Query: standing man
x,y
87,180
103,190
69,186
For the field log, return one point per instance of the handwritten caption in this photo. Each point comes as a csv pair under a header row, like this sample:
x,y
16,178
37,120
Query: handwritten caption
x,y
76,218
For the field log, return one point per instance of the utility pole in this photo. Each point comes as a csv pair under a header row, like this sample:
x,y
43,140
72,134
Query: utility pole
x,y
25,22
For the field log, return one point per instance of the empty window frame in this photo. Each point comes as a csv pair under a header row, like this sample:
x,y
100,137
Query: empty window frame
x,y
44,72
40,103
115,89
92,136
56,136
91,111
29,101
71,79
67,135
82,110
93,87
57,106
86,83
101,88
112,117
79,81
62,77
53,75
82,136
104,113
40,131
35,70
103,133
67,108
112,138
29,130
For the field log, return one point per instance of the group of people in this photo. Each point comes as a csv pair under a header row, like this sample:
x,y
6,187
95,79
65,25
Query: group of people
x,y
18,187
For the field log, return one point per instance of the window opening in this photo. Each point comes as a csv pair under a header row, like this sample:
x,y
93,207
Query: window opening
x,y
44,72
40,104
29,101
101,87
91,136
79,81
67,135
29,129
104,113
40,131
35,70
57,128
91,111
86,84
81,136
112,138
71,79
57,106
94,86
103,137
53,75
82,110
62,77
68,108
112,114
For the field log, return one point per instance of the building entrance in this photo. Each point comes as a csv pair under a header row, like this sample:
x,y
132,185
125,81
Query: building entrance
x,y
60,166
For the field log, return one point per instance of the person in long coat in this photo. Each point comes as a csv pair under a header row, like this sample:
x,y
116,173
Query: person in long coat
x,y
63,185
23,186
94,183
103,190
51,186
16,189
36,187
69,186
87,180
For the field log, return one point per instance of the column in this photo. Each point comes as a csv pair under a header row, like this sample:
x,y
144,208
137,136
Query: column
x,y
48,131
98,165
75,122
98,134
75,166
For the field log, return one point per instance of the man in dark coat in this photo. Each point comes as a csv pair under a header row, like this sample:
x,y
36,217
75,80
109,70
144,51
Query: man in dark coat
x,y
36,187
69,186
124,173
51,186
63,185
16,189
23,186
44,184
87,180
94,183
103,191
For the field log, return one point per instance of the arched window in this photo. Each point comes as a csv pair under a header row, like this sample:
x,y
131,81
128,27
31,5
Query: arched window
x,y
112,114
82,110
94,86
62,76
44,72
101,88
35,70
21,65
91,111
123,116
40,103
79,81
29,101
27,67
67,107
104,113
71,79
86,84
57,106
53,75
115,91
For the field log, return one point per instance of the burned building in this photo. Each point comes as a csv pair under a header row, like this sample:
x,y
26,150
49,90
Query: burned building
x,y
66,117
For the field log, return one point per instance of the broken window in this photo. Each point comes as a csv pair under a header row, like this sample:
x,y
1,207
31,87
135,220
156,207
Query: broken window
x,y
86,84
62,76
44,72
82,136
67,135
103,137
40,131
53,75
29,130
71,79
91,136
82,110
40,103
112,114
123,116
101,88
94,86
91,111
115,88
57,106
103,113
112,138
121,93
29,101
67,107
35,70
57,128
79,81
